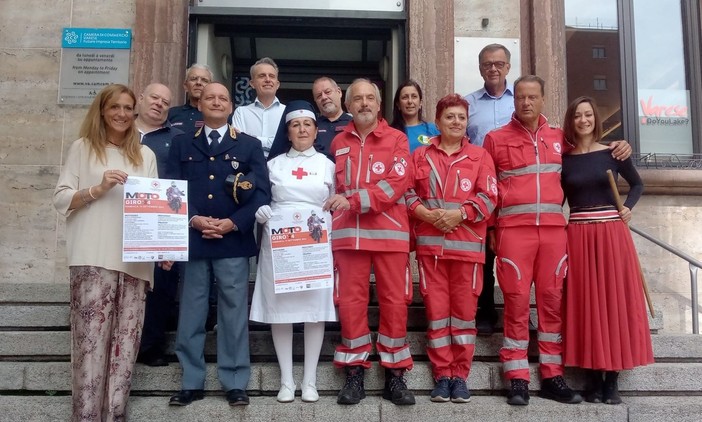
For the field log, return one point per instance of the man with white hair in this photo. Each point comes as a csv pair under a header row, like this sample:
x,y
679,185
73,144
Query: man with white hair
x,y
371,229
187,117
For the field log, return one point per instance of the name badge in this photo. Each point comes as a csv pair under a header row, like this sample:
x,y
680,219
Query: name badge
x,y
342,151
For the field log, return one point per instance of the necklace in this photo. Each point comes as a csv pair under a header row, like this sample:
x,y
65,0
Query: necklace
x,y
117,145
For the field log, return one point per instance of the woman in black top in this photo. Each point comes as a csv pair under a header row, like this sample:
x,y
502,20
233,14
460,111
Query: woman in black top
x,y
605,329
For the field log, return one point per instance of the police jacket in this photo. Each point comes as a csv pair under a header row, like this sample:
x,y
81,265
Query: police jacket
x,y
208,195
468,183
528,167
373,175
159,141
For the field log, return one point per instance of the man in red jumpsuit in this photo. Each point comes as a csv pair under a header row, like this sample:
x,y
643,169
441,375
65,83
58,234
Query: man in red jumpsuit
x,y
371,230
531,239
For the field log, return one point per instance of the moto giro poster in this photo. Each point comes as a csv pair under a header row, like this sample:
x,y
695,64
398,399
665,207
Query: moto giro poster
x,y
300,248
155,220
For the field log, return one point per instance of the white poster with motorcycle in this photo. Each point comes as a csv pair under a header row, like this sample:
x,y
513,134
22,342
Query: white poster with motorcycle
x,y
155,220
301,250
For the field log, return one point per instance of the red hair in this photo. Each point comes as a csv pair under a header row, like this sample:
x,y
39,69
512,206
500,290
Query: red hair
x,y
451,100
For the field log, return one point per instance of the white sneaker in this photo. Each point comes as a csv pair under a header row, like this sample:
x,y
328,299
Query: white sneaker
x,y
286,394
309,393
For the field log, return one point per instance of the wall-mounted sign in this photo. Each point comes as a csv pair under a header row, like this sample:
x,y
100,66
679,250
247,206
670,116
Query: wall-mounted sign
x,y
92,58
664,121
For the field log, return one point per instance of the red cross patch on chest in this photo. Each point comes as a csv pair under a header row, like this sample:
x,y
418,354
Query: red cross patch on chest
x,y
299,173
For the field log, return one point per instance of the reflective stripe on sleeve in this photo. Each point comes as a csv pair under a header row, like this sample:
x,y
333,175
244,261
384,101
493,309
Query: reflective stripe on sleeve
x,y
365,200
386,188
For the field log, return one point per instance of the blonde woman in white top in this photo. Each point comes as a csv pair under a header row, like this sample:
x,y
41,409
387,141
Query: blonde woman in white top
x,y
107,295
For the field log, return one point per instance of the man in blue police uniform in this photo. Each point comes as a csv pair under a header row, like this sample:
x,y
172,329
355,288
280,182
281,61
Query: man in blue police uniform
x,y
221,241
187,117
157,133
490,108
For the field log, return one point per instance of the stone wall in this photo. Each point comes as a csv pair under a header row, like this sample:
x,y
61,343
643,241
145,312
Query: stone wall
x,y
674,220
35,131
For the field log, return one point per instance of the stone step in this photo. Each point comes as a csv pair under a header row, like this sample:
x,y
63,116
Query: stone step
x,y
20,316
372,409
55,293
55,345
56,316
668,378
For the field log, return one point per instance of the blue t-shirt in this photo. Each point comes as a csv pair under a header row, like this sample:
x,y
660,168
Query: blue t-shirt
x,y
419,135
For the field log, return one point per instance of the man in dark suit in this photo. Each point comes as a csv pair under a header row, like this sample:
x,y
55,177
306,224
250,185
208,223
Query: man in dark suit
x,y
221,242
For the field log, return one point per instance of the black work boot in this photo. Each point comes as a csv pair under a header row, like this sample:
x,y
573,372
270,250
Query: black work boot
x,y
353,391
518,394
556,389
396,388
593,388
610,388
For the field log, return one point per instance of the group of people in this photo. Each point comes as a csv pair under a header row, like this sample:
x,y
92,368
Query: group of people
x,y
486,181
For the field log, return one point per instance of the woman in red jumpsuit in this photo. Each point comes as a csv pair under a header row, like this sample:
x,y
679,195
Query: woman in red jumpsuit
x,y
453,194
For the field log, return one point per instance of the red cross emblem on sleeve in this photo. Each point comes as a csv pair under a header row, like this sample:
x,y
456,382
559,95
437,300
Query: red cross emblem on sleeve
x,y
299,173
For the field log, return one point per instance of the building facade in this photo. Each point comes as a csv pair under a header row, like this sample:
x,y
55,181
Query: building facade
x,y
646,98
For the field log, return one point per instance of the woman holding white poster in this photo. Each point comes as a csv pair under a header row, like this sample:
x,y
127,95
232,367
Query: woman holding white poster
x,y
107,294
302,180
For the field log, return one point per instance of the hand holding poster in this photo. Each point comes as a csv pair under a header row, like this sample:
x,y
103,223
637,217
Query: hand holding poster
x,y
155,220
301,252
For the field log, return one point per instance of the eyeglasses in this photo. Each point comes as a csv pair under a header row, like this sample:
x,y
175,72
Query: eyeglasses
x,y
489,65
205,81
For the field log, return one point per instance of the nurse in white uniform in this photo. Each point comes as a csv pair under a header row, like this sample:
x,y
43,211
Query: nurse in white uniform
x,y
301,178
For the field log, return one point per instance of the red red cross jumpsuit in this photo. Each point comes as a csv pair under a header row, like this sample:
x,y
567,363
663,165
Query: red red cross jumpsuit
x,y
451,264
373,175
531,241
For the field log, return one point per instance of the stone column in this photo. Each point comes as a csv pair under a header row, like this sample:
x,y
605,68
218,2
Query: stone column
x,y
160,45
430,31
543,51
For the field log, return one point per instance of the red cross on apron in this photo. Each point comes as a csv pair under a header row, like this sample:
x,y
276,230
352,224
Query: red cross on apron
x,y
299,173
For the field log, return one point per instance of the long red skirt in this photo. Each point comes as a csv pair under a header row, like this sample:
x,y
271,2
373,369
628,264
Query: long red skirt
x,y
606,321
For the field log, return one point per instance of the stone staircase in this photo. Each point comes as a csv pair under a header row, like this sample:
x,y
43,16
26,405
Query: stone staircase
x,y
35,376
